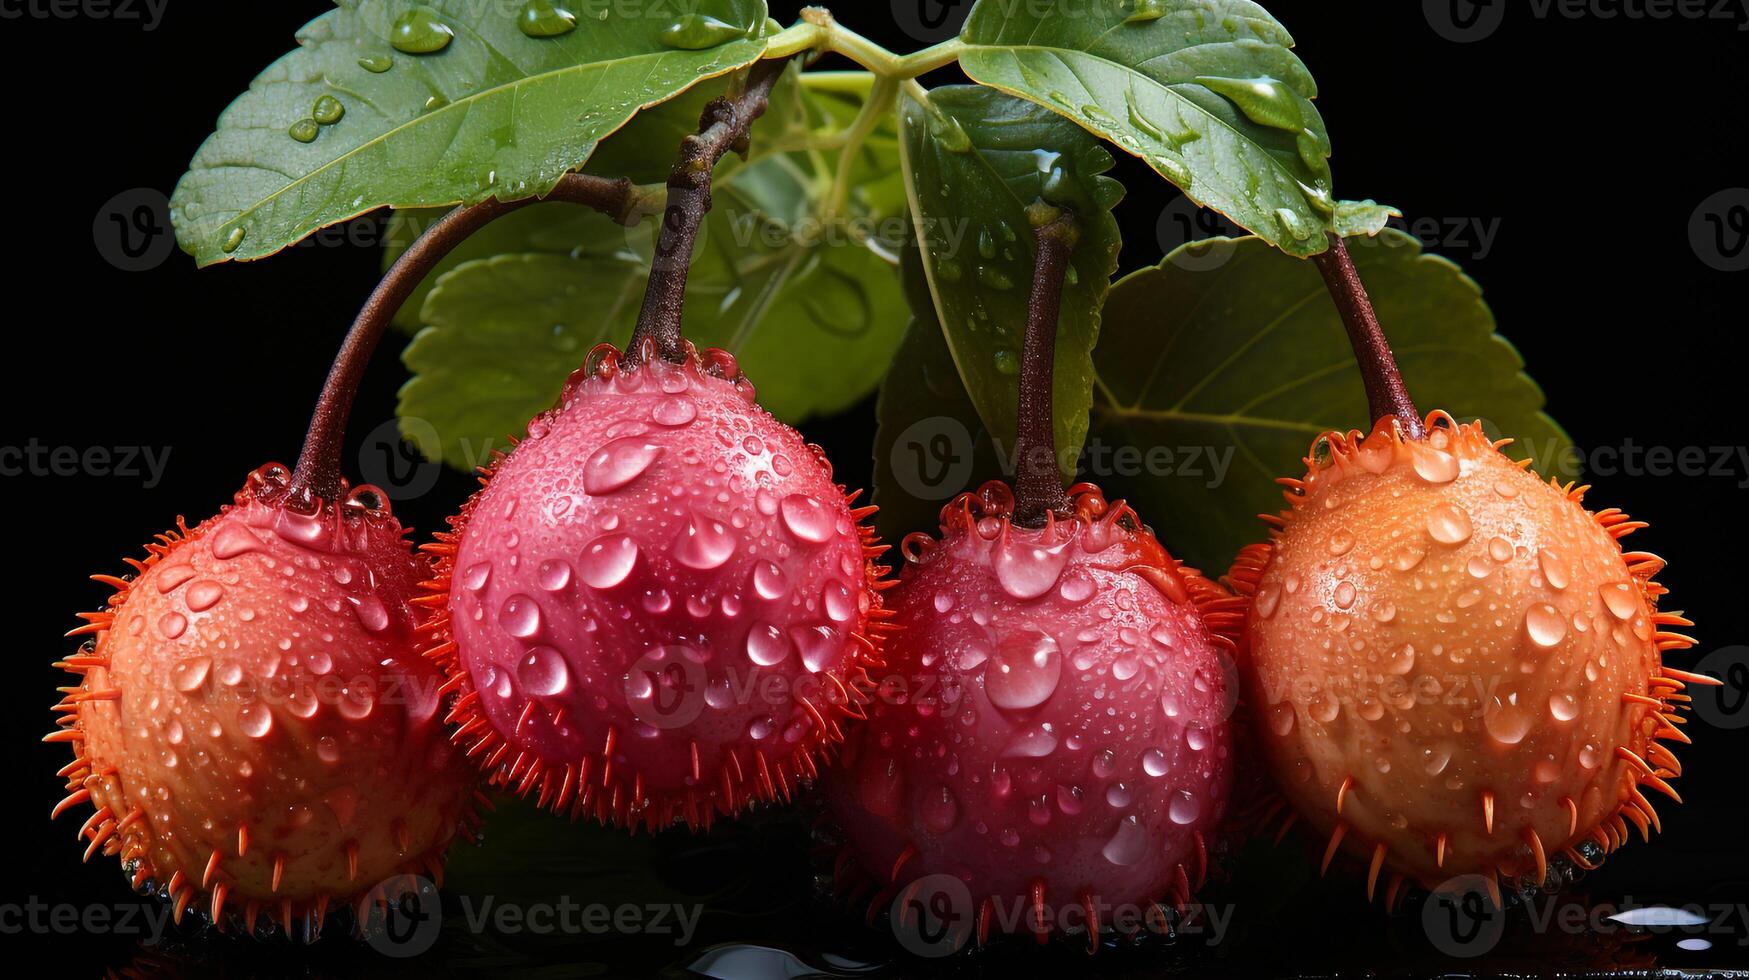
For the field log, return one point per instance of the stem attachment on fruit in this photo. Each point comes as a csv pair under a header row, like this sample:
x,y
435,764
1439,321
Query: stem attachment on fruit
x,y
318,473
1038,480
1386,394
723,127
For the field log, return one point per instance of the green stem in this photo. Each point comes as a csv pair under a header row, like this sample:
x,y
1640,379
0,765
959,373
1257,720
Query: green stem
x,y
880,103
819,31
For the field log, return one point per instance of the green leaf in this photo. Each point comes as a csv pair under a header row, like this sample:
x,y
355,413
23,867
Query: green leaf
x,y
1207,92
929,442
975,160
644,151
494,113
1228,360
812,320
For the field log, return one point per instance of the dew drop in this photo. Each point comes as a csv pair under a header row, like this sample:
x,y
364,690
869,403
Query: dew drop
x,y
204,595
607,561
553,574
766,645
543,18
1027,570
1128,844
419,31
1024,672
704,544
1545,625
806,518
1449,524
617,464
543,673
520,616
1620,600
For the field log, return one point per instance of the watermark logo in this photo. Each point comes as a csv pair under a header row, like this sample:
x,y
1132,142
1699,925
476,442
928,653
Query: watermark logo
x,y
1461,919
1464,21
932,917
132,230
1719,230
930,21
1726,706
389,458
1184,223
933,458
404,917
665,687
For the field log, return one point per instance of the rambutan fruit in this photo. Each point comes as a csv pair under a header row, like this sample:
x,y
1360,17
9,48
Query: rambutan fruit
x,y
1456,668
252,722
655,604
1053,728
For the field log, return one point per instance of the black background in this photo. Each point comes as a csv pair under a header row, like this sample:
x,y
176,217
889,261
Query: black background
x,y
1590,142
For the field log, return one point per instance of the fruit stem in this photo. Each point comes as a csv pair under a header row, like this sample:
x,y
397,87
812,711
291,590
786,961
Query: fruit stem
x,y
722,127
1386,395
318,475
1038,480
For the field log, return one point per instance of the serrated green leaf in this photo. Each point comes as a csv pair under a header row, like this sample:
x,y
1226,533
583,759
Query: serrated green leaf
x,y
494,113
1207,92
1228,360
975,160
930,444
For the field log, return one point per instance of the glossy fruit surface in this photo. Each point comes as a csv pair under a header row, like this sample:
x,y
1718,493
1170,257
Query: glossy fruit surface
x,y
1455,667
1052,730
253,723
654,605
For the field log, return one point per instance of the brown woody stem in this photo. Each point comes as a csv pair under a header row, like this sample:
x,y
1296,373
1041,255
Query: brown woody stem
x,y
723,127
1038,481
318,475
1386,395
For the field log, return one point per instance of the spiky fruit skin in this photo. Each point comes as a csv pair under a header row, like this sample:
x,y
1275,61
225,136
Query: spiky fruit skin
x,y
1455,667
253,722
654,605
1053,726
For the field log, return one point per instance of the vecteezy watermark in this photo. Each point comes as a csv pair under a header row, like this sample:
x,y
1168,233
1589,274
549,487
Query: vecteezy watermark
x,y
1182,223
1464,21
148,919
1725,706
143,463
1462,920
930,21
934,916
147,13
403,917
132,229
1719,229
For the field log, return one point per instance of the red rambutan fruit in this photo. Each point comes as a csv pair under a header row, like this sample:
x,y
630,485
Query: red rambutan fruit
x,y
655,606
252,723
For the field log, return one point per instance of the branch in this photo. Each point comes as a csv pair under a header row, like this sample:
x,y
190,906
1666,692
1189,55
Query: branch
x,y
1038,480
723,127
1386,395
319,473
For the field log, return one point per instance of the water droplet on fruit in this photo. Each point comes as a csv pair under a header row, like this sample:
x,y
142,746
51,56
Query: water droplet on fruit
x,y
1506,720
1184,809
1620,600
1128,844
475,577
553,575
1024,672
1563,707
704,543
766,645
370,612
191,674
1433,465
674,411
420,31
617,464
940,810
1027,570
543,673
172,625
1449,524
254,720
1545,625
520,616
607,561
204,595
806,518
819,645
